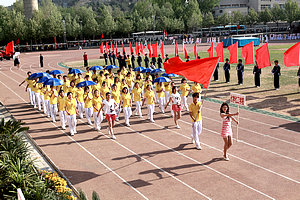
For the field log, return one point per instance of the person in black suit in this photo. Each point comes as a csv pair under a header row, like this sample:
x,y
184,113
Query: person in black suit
x,y
153,59
132,61
110,58
124,60
240,71
146,60
159,61
216,73
187,59
139,60
41,60
276,73
105,57
120,59
113,56
226,68
256,72
167,58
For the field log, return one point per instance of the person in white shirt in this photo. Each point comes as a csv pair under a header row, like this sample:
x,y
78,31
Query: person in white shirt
x,y
176,105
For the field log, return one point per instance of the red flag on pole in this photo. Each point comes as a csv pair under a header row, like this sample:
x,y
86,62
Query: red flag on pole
x,y
55,40
248,53
117,49
124,52
9,48
137,49
154,50
162,51
233,50
106,47
165,32
176,49
219,51
195,51
27,44
211,51
199,70
101,48
292,56
142,47
102,36
112,47
262,56
17,42
131,49
149,49
186,54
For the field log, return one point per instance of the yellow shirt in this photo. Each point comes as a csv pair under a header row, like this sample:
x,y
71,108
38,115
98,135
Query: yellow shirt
x,y
137,94
185,89
94,76
120,77
47,93
109,82
196,88
129,81
43,90
90,75
194,110
73,90
97,101
123,85
140,82
149,95
79,80
29,82
118,84
126,98
79,95
88,101
116,95
61,103
132,74
142,76
65,86
160,94
96,87
104,90
128,61
70,106
150,77
124,72
101,79
168,87
53,98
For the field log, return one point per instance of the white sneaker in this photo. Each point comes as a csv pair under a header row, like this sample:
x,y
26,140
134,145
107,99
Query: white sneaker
x,y
72,133
113,137
152,121
177,126
63,128
90,123
163,112
141,117
199,147
53,121
128,125
226,158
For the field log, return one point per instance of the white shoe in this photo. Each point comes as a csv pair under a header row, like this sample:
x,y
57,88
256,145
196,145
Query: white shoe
x,y
54,121
163,112
226,158
63,128
177,126
90,123
141,117
113,137
72,133
152,121
128,125
199,147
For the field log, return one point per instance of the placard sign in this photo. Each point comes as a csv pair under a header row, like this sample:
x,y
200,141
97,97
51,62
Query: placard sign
x,y
238,99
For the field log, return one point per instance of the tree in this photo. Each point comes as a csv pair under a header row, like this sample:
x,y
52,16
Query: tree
x,y
265,16
107,24
191,15
208,20
252,17
277,13
222,20
291,11
238,17
206,6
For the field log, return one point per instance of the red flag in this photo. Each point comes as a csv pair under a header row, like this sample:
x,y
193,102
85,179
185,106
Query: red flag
x,y
137,49
27,44
17,42
131,49
248,53
195,51
165,32
154,50
292,56
112,47
199,70
117,49
106,47
176,49
55,40
233,50
101,48
142,47
219,51
102,36
186,54
149,49
162,51
262,56
211,51
123,48
9,48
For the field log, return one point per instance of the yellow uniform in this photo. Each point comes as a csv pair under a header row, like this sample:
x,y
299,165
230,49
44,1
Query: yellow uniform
x,y
101,79
137,92
79,95
94,76
73,90
109,82
126,98
47,93
96,87
185,89
53,98
129,81
149,95
150,77
65,86
196,88
128,61
194,108
104,90
29,82
88,100
158,88
140,82
123,85
132,74
97,101
61,103
142,76
89,74
118,84
120,76
168,87
116,95
70,106
124,72
43,90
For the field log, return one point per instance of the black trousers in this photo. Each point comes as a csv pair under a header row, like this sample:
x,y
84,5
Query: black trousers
x,y
140,64
114,61
42,64
240,77
105,61
146,64
299,81
257,79
276,82
133,65
216,75
110,60
227,76
85,63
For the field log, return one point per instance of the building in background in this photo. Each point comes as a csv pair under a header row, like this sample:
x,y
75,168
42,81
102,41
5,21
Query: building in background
x,y
29,7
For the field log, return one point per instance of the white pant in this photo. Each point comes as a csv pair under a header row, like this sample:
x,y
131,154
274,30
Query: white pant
x,y
88,114
33,97
72,123
161,101
127,114
138,109
63,118
37,100
43,102
197,129
80,109
98,120
150,111
47,108
167,96
156,96
30,96
53,111
185,105
118,110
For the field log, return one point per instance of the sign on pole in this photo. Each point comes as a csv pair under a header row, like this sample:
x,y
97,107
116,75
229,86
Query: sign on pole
x,y
238,99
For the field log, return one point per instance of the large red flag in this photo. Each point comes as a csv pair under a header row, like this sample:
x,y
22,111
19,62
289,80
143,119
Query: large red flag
x,y
137,49
107,47
112,47
211,51
9,48
248,53
195,51
55,40
262,56
101,48
117,54
124,52
162,51
176,49
199,70
102,36
131,48
149,49
186,54
233,50
292,56
219,51
154,50
142,47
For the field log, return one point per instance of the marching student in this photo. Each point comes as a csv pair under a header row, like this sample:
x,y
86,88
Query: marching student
x,y
195,114
66,84
101,77
53,103
137,95
126,102
116,94
129,81
196,88
117,83
88,105
104,89
185,88
43,92
150,96
37,92
276,73
46,100
175,99
256,72
109,105
28,86
160,90
72,88
61,101
226,132
70,107
80,101
226,68
97,102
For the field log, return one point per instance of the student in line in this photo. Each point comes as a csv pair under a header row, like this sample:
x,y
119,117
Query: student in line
x,y
195,114
53,103
150,96
160,91
88,97
175,99
61,103
137,95
185,88
70,107
126,102
80,101
97,102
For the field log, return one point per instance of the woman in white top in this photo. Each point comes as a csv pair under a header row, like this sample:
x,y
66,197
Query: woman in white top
x,y
176,105
109,105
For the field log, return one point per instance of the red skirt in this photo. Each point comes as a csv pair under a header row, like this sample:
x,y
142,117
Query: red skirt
x,y
110,117
176,108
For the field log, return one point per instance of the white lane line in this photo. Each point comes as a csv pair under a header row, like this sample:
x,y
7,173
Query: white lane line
x,y
98,160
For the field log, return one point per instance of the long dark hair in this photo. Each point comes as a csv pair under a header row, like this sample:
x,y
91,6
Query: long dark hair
x,y
221,110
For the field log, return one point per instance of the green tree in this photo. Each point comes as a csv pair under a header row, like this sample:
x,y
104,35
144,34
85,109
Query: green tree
x,y
265,16
191,15
208,20
4,29
277,13
252,17
237,17
222,20
107,24
291,11
206,6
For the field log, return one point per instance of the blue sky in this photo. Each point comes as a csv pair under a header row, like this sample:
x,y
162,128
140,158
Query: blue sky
x,y
7,2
